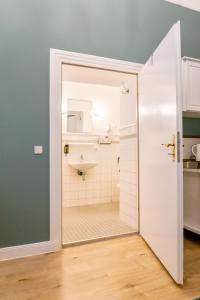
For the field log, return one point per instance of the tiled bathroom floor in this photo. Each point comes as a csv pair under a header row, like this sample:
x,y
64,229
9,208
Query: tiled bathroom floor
x,y
90,222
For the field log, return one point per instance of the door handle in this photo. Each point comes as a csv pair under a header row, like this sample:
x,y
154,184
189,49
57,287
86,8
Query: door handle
x,y
173,145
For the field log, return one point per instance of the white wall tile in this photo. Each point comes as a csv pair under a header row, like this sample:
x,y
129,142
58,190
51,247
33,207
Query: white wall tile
x,y
129,181
101,182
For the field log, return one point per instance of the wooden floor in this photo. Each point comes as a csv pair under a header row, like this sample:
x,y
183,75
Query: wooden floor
x,y
119,269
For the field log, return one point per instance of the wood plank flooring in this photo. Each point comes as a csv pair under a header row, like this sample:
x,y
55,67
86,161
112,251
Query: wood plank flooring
x,y
119,269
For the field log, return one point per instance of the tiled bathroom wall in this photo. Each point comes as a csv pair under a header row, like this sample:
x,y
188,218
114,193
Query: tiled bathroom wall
x,y
101,183
129,182
128,157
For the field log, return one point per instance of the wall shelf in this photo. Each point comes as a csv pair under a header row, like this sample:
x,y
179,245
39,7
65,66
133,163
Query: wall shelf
x,y
191,170
81,143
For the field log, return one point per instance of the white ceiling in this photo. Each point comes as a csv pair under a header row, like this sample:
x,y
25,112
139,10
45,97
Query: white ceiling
x,y
192,4
93,76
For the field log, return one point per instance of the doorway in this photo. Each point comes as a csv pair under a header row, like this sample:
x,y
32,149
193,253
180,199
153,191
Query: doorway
x,y
57,59
99,172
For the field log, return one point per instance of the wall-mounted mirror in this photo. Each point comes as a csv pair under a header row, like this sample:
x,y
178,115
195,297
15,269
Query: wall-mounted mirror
x,y
74,121
78,116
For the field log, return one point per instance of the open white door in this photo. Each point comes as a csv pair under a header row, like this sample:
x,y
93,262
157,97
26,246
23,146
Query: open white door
x,y
160,179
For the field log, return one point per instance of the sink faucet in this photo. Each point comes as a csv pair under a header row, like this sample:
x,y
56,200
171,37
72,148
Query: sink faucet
x,y
81,157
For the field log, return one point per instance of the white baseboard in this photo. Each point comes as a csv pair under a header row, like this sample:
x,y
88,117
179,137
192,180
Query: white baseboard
x,y
9,253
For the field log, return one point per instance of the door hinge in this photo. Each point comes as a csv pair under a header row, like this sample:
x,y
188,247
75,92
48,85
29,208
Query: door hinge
x,y
178,146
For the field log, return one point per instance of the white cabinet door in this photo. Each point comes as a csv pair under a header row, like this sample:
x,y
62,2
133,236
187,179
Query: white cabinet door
x,y
160,178
191,83
191,200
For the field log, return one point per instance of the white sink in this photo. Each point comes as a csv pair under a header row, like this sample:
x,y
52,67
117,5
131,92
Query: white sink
x,y
82,166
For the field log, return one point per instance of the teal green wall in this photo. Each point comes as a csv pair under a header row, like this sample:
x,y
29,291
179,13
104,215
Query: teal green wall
x,y
123,29
191,126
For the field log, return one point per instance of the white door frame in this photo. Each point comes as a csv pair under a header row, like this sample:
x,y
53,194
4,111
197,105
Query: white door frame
x,y
57,58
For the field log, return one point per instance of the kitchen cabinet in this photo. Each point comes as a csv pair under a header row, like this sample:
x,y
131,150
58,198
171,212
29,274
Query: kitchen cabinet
x,y
191,84
192,200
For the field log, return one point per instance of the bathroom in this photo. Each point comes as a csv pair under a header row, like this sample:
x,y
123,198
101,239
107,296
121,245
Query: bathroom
x,y
94,151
